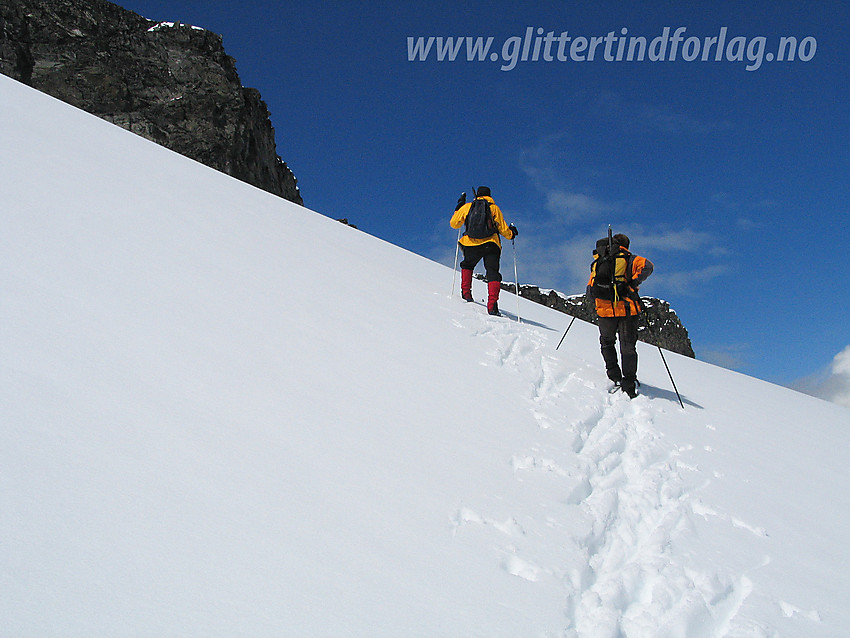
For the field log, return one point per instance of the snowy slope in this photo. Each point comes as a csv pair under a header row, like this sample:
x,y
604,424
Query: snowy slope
x,y
223,414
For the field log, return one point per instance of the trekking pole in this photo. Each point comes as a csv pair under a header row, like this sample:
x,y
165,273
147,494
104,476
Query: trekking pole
x,y
454,269
461,200
516,283
569,326
652,333
565,332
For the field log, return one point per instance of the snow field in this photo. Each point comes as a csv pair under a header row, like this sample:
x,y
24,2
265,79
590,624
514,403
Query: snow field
x,y
223,414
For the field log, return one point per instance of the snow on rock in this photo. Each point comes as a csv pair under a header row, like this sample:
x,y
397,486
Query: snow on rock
x,y
170,25
209,431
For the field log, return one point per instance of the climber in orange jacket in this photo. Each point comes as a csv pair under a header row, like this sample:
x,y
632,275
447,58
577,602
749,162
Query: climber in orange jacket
x,y
613,285
484,223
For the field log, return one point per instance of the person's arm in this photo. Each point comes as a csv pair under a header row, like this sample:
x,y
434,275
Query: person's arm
x,y
641,269
460,215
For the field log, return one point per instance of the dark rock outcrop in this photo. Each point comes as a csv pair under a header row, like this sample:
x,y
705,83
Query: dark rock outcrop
x,y
170,83
666,326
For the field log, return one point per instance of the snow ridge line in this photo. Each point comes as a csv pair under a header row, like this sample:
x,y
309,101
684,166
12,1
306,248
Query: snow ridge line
x,y
626,504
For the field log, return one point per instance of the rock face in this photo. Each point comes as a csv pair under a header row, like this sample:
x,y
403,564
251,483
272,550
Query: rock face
x,y
666,326
171,83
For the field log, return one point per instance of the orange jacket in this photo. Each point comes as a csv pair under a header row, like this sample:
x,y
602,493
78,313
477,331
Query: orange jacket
x,y
501,225
639,268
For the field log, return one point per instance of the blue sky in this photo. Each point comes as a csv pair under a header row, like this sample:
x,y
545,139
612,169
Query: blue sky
x,y
733,182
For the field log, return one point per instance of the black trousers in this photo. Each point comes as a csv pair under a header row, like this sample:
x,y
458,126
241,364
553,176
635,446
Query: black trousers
x,y
626,328
489,252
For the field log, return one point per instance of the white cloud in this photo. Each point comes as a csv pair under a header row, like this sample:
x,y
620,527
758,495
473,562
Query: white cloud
x,y
554,254
841,364
562,265
833,384
558,234
681,240
566,188
689,282
575,206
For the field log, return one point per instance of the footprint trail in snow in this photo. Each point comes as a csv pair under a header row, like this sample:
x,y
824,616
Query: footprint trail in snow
x,y
625,499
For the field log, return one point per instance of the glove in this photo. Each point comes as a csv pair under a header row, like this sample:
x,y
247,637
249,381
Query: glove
x,y
461,200
513,229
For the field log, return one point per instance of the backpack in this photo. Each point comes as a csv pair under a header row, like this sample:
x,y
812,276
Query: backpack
x,y
479,220
612,272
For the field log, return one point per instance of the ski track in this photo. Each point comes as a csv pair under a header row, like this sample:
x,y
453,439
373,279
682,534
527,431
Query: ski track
x,y
624,497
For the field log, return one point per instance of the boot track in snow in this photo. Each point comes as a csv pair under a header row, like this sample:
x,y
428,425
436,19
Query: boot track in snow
x,y
625,502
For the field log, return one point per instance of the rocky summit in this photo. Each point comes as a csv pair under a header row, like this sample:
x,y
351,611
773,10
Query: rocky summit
x,y
168,82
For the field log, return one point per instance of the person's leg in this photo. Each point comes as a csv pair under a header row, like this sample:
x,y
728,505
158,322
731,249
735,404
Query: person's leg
x,y
627,331
608,340
492,256
471,256
466,284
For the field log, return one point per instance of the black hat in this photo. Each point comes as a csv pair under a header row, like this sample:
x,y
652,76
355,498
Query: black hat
x,y
482,191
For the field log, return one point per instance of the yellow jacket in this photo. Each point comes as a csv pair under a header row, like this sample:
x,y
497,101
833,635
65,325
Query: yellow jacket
x,y
460,217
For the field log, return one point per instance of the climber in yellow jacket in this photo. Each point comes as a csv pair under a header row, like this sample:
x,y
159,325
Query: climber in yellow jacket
x,y
484,223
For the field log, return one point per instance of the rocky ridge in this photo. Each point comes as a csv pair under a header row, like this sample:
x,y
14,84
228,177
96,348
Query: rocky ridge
x,y
171,83
666,330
